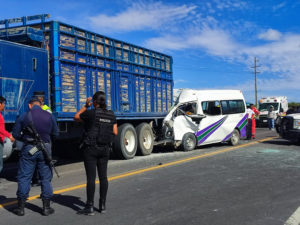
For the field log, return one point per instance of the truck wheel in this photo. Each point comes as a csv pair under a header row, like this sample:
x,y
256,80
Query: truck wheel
x,y
145,139
235,137
125,145
188,142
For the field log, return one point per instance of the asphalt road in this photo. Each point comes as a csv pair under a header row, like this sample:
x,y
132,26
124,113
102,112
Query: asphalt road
x,y
255,183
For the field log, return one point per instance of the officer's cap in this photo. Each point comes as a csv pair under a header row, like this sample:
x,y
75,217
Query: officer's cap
x,y
34,99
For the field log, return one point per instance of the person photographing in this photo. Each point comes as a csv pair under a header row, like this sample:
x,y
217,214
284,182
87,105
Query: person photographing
x,y
100,126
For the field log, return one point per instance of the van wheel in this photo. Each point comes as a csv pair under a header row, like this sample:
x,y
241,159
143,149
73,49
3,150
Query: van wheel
x,y
145,139
235,137
125,145
188,142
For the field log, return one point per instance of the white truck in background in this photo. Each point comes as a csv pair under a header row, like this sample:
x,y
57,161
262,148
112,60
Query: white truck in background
x,y
280,104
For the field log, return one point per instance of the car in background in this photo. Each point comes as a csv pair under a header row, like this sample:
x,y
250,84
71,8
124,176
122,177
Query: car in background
x,y
288,127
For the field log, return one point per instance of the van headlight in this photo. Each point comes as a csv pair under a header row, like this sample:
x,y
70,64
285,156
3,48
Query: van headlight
x,y
296,124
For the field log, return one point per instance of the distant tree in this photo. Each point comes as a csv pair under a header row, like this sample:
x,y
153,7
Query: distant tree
x,y
294,104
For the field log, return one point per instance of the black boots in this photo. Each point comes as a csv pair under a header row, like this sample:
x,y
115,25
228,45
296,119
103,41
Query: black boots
x,y
102,208
47,210
20,210
88,209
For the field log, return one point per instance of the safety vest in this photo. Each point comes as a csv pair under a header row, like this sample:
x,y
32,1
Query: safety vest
x,y
101,133
46,108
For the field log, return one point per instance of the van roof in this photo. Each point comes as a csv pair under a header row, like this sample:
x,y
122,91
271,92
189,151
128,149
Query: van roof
x,y
209,95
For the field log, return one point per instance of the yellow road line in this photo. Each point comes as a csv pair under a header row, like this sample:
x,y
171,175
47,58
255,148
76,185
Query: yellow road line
x,y
131,173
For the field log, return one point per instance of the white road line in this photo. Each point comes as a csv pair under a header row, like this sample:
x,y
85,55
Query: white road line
x,y
294,218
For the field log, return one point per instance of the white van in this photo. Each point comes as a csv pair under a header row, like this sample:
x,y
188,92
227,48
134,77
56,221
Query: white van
x,y
201,117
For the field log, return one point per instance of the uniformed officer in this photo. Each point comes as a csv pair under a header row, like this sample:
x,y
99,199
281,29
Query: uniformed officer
x,y
41,96
45,125
100,125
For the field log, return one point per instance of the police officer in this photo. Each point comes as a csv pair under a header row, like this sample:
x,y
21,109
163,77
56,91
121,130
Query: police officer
x,y
45,125
41,96
100,126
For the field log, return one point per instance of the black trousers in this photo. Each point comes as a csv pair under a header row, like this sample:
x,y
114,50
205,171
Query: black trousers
x,y
96,158
249,129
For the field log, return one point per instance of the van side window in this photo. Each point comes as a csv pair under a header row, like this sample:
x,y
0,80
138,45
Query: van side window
x,y
232,106
211,108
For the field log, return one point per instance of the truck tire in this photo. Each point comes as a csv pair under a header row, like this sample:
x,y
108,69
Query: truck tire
x,y
235,137
125,144
189,142
145,139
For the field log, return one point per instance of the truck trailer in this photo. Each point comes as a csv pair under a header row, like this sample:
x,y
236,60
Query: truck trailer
x,y
69,64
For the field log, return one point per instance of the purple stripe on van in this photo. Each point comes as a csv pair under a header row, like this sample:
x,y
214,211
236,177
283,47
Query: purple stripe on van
x,y
205,133
227,137
207,128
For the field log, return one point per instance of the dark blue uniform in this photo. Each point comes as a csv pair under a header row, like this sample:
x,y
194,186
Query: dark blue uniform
x,y
46,126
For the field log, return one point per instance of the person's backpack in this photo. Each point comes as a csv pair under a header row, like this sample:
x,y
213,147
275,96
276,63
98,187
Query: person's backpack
x,y
102,130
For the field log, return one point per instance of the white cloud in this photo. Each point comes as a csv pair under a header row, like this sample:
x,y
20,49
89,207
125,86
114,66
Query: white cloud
x,y
142,16
279,6
270,35
184,27
280,58
214,41
230,4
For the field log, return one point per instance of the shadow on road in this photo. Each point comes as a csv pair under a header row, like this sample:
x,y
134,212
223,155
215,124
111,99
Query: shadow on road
x,y
278,142
11,207
69,201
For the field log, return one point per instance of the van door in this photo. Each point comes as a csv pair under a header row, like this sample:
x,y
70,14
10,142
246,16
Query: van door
x,y
182,122
235,112
209,128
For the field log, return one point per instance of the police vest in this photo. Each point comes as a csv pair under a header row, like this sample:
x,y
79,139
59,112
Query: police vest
x,y
102,131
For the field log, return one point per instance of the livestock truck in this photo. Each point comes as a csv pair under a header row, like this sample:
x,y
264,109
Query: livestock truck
x,y
69,64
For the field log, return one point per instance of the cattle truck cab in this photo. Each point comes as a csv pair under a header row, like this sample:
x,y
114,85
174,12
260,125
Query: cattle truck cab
x,y
201,117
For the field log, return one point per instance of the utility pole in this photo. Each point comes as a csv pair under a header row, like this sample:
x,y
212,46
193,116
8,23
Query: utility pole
x,y
255,72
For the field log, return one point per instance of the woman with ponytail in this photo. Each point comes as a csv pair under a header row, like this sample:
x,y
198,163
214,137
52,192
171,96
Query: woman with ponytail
x,y
100,126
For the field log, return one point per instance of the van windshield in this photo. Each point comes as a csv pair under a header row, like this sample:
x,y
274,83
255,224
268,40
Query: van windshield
x,y
265,106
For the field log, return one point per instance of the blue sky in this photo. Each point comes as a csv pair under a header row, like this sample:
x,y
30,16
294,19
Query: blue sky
x,y
213,43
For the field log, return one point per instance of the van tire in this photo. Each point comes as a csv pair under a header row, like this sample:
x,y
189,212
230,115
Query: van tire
x,y
235,137
189,142
145,139
125,144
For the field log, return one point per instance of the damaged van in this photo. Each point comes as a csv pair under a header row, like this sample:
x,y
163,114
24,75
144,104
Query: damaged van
x,y
201,117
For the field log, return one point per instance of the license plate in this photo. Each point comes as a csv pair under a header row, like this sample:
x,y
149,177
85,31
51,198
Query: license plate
x,y
265,121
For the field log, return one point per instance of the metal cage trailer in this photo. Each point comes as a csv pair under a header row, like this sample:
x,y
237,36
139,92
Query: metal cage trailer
x,y
138,82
